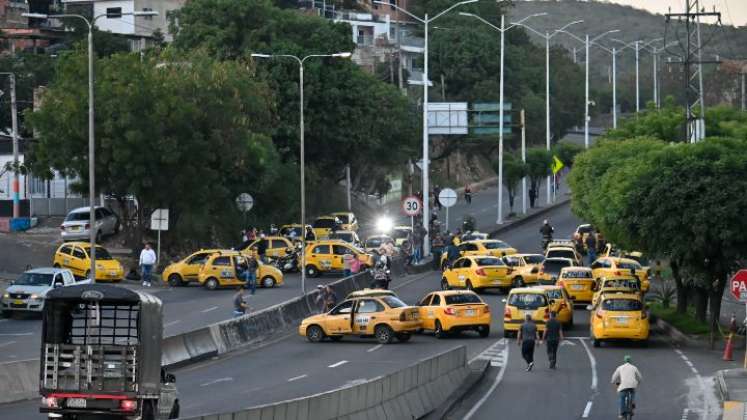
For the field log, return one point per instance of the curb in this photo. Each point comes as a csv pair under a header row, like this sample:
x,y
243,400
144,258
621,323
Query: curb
x,y
478,370
676,335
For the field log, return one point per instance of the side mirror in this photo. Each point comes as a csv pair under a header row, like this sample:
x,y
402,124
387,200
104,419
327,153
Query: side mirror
x,y
589,307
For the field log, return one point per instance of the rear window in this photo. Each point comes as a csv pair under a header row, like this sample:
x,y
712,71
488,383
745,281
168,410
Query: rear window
x,y
324,223
621,283
343,218
555,266
393,302
534,259
577,274
527,300
561,253
496,245
626,265
462,299
622,305
489,261
78,216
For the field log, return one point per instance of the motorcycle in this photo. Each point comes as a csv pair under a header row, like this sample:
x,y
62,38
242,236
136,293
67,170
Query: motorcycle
x,y
287,263
381,278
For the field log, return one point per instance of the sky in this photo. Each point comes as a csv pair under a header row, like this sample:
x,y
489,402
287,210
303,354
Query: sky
x,y
733,12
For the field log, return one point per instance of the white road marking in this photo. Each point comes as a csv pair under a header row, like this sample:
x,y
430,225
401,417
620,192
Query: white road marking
x,y
204,311
701,384
16,334
496,381
567,343
593,362
340,363
295,378
374,348
587,410
227,379
168,324
7,344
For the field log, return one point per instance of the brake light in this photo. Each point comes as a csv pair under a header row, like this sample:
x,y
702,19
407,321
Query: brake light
x,y
450,311
510,270
128,405
486,309
541,272
618,273
560,283
507,313
547,313
50,402
480,272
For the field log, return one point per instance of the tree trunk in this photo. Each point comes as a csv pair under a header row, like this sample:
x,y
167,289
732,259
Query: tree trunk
x,y
716,295
681,289
701,303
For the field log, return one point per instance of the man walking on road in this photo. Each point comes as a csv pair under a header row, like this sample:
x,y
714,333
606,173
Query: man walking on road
x,y
552,336
526,339
147,261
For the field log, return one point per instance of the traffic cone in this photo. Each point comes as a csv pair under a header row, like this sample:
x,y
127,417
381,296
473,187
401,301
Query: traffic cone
x,y
729,350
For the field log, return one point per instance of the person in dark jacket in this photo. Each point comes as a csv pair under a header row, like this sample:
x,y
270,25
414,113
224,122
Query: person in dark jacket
x,y
591,247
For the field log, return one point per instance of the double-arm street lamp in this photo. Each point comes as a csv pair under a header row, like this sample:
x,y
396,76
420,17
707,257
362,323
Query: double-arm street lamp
x,y
426,186
547,36
587,44
91,137
301,61
502,29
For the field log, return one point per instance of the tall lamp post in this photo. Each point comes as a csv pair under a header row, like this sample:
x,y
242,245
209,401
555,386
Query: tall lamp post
x,y
547,36
91,117
587,43
638,47
14,126
502,29
425,166
301,61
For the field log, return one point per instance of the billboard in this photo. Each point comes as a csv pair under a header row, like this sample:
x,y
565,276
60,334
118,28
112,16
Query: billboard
x,y
485,118
449,118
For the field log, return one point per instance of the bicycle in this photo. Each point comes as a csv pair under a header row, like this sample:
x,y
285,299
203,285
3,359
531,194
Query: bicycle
x,y
628,404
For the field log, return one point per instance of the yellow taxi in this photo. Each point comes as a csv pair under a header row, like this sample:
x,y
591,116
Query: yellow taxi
x,y
384,317
277,246
560,303
453,311
625,284
400,234
325,225
564,249
476,273
578,283
616,266
373,243
294,232
326,256
493,247
347,219
619,316
550,269
525,268
219,270
75,256
184,271
525,301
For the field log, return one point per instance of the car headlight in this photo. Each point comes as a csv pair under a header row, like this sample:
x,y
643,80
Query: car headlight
x,y
6,295
36,297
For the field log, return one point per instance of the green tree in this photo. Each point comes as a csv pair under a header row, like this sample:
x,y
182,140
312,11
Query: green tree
x,y
538,165
513,171
187,136
567,152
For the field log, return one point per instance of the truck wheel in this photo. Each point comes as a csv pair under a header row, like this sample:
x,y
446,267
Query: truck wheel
x,y
211,283
174,410
384,334
175,280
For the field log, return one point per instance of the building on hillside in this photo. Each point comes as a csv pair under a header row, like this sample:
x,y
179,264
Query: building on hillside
x,y
18,33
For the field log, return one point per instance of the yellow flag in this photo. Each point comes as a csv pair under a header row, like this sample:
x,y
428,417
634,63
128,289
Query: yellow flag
x,y
557,165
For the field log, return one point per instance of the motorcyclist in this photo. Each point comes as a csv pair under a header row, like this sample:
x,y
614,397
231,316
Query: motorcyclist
x,y
626,379
381,274
546,230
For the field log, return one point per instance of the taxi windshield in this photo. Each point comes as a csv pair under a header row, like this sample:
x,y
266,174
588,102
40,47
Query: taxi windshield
x,y
561,253
534,259
462,299
527,300
622,305
496,245
577,274
374,243
393,302
34,279
101,253
621,283
483,261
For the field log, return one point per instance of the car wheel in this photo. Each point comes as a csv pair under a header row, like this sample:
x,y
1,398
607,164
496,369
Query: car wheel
x,y
312,271
268,281
518,282
55,265
175,280
335,338
211,283
314,333
384,334
483,330
404,337
444,284
439,330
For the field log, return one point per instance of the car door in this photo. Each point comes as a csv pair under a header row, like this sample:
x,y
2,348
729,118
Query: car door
x,y
426,311
367,313
79,262
277,248
321,256
193,265
451,273
464,271
338,319
338,252
223,269
63,256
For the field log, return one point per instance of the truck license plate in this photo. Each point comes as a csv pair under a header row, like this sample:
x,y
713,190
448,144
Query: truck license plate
x,y
76,402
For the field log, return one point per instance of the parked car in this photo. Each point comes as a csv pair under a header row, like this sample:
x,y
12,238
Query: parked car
x,y
77,224
28,292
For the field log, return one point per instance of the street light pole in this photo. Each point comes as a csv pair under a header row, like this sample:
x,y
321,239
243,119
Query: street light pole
x,y
91,118
14,127
637,80
301,128
614,88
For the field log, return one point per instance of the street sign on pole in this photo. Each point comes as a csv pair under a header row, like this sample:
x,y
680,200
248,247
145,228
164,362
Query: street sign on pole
x,y
447,197
411,206
738,285
245,202
159,220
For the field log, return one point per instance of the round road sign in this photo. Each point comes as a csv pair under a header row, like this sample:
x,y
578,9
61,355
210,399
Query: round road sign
x,y
738,285
447,197
245,202
411,205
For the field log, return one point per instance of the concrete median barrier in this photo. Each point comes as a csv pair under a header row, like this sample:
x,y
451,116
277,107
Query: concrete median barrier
x,y
19,380
410,393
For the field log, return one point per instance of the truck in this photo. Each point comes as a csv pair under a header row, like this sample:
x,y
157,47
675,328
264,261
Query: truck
x,y
101,355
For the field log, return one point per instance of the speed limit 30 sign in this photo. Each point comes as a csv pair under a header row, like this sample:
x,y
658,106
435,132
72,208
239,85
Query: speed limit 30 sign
x,y
411,205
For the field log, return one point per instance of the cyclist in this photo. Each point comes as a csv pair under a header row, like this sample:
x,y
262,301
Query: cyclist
x,y
626,378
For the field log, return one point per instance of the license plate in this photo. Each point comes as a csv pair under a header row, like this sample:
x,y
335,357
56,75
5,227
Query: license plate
x,y
19,302
113,273
577,287
75,402
622,321
76,229
469,312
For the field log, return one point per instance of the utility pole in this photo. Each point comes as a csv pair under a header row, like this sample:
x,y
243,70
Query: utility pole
x,y
16,170
692,62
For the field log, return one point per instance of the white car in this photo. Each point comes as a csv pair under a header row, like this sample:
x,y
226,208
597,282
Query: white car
x,y
27,293
77,224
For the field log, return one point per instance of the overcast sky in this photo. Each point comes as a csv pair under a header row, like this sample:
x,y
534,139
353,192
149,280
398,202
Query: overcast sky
x,y
733,12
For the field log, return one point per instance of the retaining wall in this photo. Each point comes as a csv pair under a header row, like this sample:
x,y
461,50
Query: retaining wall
x,y
19,380
407,394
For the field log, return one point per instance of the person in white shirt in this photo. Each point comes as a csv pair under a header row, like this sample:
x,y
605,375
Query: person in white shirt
x,y
147,261
626,378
